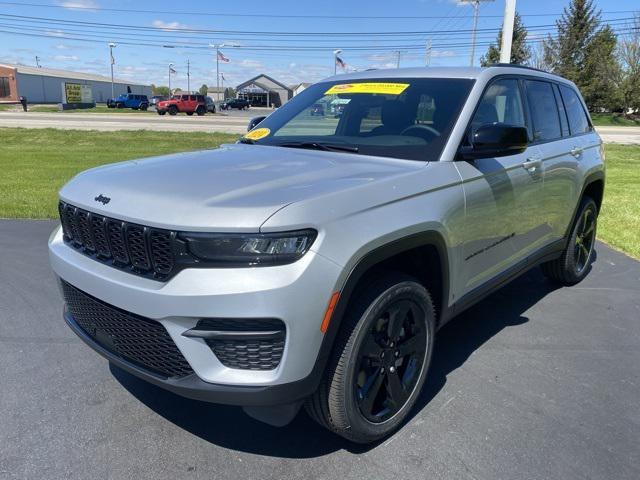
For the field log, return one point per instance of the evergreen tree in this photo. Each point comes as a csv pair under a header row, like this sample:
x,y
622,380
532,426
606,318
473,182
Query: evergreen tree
x,y
520,51
584,52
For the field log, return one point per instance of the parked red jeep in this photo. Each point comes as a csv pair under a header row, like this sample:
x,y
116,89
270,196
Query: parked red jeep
x,y
188,104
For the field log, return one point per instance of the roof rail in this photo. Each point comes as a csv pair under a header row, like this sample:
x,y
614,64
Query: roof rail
x,y
525,67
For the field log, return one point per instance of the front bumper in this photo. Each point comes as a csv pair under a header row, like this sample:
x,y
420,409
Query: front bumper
x,y
297,294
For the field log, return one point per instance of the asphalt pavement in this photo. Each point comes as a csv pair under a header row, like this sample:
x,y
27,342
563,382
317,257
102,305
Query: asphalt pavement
x,y
232,121
535,382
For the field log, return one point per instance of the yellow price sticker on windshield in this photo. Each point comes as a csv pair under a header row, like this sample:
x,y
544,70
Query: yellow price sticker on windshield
x,y
257,134
371,87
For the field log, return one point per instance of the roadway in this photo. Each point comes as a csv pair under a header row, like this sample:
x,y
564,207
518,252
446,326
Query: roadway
x,y
229,122
536,382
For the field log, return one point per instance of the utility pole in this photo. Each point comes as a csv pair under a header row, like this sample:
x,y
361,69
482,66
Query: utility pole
x,y
428,53
112,61
188,76
170,69
507,31
476,13
38,61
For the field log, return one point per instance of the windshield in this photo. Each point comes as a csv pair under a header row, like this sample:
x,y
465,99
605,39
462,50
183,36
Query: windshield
x,y
400,118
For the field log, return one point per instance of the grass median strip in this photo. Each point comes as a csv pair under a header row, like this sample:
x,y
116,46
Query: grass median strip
x,y
34,164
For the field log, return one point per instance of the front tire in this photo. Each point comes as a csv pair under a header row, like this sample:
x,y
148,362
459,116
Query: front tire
x,y
575,262
379,362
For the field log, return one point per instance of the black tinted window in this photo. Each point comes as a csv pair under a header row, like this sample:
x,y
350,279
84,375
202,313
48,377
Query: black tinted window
x,y
544,110
563,114
578,121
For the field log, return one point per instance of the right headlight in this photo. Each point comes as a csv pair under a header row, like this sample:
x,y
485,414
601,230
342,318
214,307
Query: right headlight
x,y
250,249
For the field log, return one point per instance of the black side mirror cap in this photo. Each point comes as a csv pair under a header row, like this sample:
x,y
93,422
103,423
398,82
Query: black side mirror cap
x,y
496,140
254,122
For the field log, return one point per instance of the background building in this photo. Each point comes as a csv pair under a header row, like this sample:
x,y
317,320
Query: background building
x,y
44,85
264,91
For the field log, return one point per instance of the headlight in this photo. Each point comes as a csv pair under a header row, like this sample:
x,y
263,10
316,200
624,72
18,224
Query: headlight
x,y
251,249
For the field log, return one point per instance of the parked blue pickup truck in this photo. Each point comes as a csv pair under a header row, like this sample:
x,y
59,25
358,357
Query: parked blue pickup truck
x,y
129,100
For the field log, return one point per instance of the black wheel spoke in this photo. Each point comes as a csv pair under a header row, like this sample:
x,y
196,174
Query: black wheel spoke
x,y
370,390
411,345
397,317
396,391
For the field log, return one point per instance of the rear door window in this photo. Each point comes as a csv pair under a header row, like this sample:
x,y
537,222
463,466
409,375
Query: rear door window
x,y
544,111
578,121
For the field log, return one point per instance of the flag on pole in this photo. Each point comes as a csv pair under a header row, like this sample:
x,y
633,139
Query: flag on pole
x,y
172,70
222,58
340,63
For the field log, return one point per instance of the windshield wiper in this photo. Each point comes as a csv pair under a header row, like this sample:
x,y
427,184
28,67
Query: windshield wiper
x,y
327,147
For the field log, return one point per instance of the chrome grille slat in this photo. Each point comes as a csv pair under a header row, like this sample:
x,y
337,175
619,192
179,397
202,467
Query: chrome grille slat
x,y
128,246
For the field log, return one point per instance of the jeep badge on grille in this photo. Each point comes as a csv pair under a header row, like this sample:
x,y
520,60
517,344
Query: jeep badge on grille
x,y
102,199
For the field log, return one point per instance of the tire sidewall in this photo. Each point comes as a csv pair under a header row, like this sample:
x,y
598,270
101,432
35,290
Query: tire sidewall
x,y
570,259
405,290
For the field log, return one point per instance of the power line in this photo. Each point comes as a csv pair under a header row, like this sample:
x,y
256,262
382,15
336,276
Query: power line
x,y
266,15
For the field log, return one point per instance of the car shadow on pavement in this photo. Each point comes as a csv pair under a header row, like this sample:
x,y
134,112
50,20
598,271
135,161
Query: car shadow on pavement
x,y
230,428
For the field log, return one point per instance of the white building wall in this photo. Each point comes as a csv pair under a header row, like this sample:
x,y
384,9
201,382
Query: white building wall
x,y
45,89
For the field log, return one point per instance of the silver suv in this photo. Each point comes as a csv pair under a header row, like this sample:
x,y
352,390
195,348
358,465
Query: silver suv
x,y
313,262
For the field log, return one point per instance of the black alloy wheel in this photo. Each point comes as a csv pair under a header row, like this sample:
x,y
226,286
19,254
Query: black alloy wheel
x,y
585,239
390,361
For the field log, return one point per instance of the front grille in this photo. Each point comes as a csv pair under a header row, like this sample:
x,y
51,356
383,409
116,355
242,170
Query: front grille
x,y
250,353
141,341
135,248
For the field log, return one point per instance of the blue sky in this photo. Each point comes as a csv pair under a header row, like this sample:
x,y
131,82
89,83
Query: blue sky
x,y
290,63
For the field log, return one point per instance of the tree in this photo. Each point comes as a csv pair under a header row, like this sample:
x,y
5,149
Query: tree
x,y
203,89
583,51
629,54
520,51
160,90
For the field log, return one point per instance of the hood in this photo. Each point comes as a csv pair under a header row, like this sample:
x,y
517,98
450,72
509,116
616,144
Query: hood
x,y
232,188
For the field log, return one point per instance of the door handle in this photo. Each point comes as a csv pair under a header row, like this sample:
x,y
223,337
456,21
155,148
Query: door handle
x,y
531,164
576,151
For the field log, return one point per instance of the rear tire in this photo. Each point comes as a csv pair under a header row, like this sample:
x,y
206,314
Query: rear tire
x,y
379,361
575,262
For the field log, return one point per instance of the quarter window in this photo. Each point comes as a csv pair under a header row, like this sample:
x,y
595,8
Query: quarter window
x,y
578,121
5,90
544,111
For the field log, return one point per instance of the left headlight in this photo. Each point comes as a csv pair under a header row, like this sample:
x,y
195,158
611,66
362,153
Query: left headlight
x,y
251,249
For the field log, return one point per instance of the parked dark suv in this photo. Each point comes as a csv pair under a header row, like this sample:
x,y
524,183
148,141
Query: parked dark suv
x,y
239,103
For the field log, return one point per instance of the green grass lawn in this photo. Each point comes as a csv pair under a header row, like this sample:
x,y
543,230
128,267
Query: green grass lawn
x,y
612,120
34,164
619,221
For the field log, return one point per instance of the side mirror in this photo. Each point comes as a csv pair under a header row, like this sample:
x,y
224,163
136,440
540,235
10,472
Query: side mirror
x,y
255,121
496,140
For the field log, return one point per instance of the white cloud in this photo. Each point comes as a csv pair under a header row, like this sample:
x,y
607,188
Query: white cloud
x,y
169,26
66,58
248,63
79,4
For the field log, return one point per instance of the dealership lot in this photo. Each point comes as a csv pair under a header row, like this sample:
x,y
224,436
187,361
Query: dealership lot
x,y
232,121
534,382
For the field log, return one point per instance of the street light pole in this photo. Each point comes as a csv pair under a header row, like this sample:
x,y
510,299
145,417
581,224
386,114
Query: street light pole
x,y
507,31
112,61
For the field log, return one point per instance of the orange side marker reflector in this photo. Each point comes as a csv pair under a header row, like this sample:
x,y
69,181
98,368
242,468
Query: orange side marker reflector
x,y
327,315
